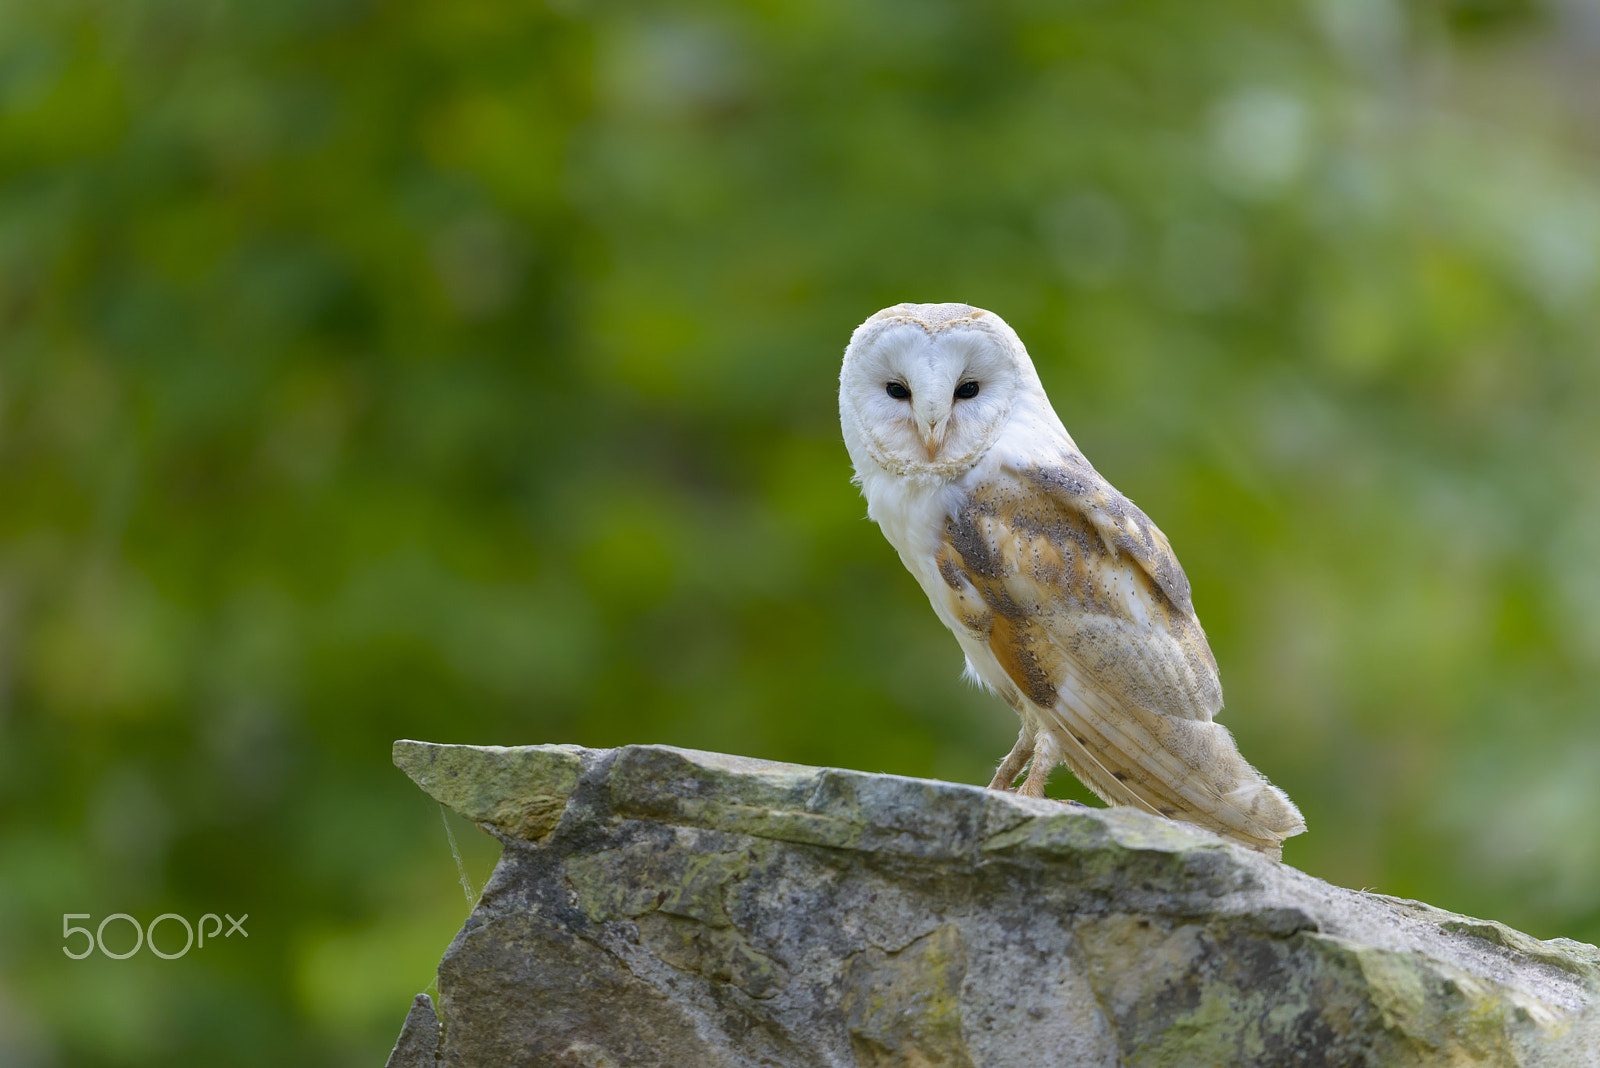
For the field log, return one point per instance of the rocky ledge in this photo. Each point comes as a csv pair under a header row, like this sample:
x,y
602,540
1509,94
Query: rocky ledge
x,y
662,907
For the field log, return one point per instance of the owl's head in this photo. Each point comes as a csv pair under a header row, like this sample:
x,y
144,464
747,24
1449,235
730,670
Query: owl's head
x,y
926,389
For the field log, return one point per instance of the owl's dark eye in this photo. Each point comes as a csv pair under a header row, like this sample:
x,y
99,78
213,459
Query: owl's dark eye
x,y
897,391
966,390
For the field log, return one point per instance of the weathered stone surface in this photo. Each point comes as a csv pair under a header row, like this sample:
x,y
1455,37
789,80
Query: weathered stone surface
x,y
663,907
418,1045
521,791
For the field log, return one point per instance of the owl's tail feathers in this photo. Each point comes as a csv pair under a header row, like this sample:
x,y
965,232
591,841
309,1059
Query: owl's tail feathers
x,y
1186,769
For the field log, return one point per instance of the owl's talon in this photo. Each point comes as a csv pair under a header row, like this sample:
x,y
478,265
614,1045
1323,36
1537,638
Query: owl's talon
x,y
1006,777
1046,755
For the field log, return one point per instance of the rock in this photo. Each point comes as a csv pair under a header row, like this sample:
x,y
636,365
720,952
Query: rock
x,y
662,907
418,1045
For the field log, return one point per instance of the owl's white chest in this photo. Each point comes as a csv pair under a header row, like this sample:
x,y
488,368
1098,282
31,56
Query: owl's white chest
x,y
912,515
912,512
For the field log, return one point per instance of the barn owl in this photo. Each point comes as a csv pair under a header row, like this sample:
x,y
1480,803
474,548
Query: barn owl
x,y
1065,598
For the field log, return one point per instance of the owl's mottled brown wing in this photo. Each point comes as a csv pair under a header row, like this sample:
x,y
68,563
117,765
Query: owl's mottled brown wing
x,y
1079,597
1052,562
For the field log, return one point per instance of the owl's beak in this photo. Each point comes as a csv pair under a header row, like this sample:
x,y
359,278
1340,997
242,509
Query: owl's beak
x,y
933,434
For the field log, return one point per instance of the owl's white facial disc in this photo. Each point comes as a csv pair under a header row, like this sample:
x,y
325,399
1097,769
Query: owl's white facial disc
x,y
926,388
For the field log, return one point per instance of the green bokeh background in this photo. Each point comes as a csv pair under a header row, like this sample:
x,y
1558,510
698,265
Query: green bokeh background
x,y
466,370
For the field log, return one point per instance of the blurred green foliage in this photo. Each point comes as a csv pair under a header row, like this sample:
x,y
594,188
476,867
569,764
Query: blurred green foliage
x,y
465,370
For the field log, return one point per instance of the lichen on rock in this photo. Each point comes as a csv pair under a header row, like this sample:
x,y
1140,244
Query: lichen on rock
x,y
660,906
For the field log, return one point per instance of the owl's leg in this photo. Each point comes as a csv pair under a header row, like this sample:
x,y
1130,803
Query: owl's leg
x,y
1011,766
1046,755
